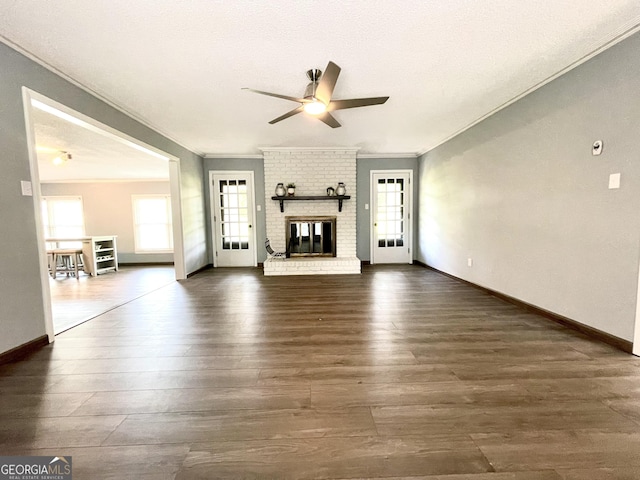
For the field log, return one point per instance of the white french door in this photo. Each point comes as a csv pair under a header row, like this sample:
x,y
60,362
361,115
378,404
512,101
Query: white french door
x,y
232,205
391,206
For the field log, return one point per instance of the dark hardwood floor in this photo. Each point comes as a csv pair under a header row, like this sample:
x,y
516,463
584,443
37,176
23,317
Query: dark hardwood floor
x,y
399,372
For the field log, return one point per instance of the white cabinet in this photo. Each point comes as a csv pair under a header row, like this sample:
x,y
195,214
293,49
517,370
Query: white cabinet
x,y
100,255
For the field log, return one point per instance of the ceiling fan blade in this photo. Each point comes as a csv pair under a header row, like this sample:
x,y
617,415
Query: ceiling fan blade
x,y
288,114
355,102
327,83
327,118
277,95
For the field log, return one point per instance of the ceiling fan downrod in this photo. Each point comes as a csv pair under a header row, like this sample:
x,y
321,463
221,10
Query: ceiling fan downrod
x,y
314,74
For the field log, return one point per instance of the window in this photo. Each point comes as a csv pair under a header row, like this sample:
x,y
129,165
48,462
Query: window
x,y
390,212
63,218
234,212
152,223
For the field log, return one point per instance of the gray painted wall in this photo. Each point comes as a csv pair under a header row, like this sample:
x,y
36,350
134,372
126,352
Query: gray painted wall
x,y
255,165
521,194
21,306
117,219
363,166
363,218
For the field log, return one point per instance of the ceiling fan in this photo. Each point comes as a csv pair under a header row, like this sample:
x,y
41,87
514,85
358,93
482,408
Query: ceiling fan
x,y
317,97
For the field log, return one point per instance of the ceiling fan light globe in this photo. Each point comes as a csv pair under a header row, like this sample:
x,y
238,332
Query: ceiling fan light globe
x,y
58,161
315,108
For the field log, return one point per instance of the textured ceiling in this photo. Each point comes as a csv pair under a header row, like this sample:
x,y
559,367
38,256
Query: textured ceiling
x,y
95,157
179,65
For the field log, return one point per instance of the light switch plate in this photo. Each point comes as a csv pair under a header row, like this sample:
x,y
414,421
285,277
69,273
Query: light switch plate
x,y
614,180
26,188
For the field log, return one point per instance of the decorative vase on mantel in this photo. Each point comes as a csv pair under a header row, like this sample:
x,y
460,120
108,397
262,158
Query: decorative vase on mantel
x,y
280,190
341,189
291,189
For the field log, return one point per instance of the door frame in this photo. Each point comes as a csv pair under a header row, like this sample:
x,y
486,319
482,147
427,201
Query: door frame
x,y
94,125
212,204
635,347
372,203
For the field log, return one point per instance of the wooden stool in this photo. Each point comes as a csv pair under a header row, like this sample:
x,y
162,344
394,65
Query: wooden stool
x,y
71,259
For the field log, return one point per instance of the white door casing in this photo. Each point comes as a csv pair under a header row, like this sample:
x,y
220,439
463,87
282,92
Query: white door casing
x,y
391,214
232,218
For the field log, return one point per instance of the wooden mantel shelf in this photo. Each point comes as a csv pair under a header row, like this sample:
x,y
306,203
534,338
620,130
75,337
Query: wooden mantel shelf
x,y
294,198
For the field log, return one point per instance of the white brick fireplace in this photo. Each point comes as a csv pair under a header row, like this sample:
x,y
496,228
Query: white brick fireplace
x,y
312,170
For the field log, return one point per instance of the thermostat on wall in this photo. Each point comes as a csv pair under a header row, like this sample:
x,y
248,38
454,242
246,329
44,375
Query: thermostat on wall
x,y
597,147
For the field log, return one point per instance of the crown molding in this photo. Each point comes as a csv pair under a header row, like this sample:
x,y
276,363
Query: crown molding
x,y
230,156
93,93
388,156
308,149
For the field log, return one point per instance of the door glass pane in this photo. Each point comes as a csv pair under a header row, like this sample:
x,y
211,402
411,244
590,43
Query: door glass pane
x,y
234,214
389,214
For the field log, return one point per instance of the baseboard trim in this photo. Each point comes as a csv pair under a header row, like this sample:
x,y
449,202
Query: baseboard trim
x,y
145,264
201,269
23,350
619,343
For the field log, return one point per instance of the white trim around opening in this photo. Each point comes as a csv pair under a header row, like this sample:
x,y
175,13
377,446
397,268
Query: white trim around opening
x,y
28,97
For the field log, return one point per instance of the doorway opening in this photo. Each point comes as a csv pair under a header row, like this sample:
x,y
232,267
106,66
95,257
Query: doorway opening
x,y
74,127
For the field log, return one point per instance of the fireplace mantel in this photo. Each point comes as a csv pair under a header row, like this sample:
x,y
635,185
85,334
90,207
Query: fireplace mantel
x,y
294,198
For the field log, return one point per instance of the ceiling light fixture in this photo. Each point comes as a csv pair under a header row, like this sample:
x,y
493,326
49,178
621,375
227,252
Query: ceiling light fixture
x,y
61,159
315,108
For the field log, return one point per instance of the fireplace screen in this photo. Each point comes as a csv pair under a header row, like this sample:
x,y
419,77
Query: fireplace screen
x,y
311,236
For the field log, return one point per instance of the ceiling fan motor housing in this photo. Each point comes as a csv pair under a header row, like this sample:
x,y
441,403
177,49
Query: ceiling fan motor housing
x,y
314,74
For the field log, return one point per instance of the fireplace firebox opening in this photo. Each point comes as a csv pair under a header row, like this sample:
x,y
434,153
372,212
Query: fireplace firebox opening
x,y
311,236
